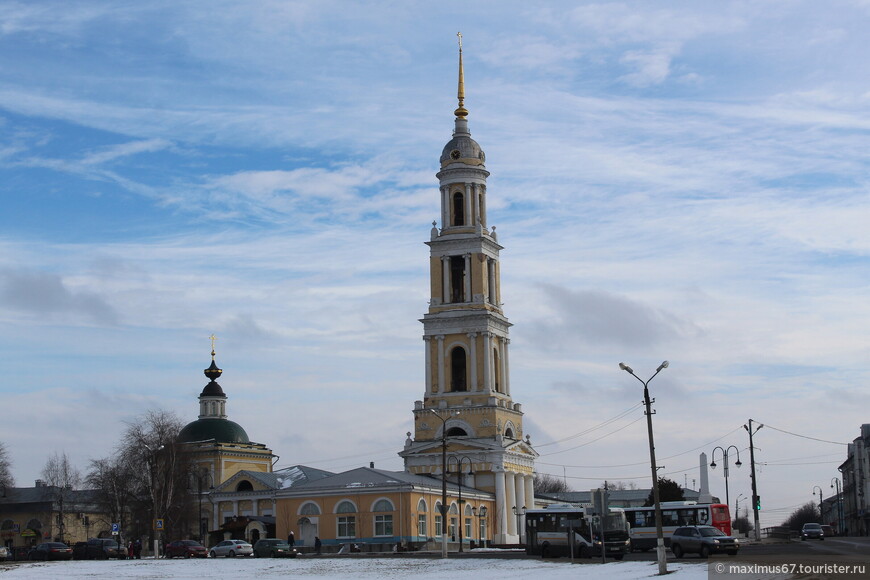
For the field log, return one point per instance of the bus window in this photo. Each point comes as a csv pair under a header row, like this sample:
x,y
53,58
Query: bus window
x,y
670,518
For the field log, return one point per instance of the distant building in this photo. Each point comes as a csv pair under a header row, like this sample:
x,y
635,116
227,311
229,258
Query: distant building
x,y
856,484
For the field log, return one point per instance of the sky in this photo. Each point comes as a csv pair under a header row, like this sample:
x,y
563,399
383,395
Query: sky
x,y
676,181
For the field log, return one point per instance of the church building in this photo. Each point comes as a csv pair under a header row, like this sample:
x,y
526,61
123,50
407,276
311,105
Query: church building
x,y
467,402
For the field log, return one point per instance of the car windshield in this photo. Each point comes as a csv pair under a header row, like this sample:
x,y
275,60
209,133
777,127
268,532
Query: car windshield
x,y
190,543
55,545
710,532
812,527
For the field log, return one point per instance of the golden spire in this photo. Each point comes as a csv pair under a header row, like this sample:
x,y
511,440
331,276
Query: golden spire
x,y
461,111
212,338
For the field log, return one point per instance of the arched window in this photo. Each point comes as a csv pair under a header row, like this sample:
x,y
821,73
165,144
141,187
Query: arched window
x,y
509,433
383,505
457,278
346,525
421,505
244,485
309,509
458,209
457,369
456,432
345,507
497,374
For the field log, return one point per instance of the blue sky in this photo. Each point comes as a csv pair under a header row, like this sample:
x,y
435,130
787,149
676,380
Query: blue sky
x,y
670,180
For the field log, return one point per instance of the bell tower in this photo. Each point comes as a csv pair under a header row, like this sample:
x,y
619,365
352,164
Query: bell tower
x,y
465,337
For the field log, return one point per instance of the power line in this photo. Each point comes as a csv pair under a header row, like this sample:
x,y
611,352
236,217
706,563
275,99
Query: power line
x,y
594,440
803,436
590,429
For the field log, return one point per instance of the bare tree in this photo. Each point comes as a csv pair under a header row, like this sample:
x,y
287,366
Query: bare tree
x,y
6,479
113,480
61,477
545,483
618,485
807,513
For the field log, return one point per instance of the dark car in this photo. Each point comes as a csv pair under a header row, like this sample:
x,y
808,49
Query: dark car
x,y
185,549
99,549
51,551
702,540
812,531
273,548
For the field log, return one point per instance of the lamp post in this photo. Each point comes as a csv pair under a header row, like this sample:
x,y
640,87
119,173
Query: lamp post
x,y
519,512
835,481
201,474
481,515
443,479
660,540
756,501
737,505
725,461
821,515
152,455
459,459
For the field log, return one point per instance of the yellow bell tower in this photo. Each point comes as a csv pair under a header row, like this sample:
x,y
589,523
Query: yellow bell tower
x,y
468,390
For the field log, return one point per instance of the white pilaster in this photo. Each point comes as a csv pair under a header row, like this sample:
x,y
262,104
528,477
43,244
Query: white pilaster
x,y
467,278
468,203
427,346
476,204
530,492
487,367
445,279
490,273
472,341
505,367
519,485
445,207
499,535
440,338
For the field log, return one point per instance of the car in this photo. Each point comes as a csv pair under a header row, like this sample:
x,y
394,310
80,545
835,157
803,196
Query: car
x,y
828,531
99,549
812,531
273,548
231,549
51,551
702,540
5,553
185,549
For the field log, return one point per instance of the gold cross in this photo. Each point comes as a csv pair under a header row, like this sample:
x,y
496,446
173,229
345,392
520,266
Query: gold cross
x,y
459,34
212,338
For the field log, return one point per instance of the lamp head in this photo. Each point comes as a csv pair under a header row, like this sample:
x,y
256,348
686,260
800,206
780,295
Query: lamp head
x,y
738,463
483,511
626,368
713,465
664,365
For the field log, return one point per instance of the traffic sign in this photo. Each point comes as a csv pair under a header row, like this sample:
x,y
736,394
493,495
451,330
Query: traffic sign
x,y
116,528
158,524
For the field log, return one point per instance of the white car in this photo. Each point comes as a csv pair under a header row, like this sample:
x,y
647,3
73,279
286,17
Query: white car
x,y
231,549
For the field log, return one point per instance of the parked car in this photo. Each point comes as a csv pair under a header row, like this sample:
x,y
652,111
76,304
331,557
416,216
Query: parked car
x,y
51,551
702,540
5,553
812,531
99,549
273,548
185,549
231,549
828,531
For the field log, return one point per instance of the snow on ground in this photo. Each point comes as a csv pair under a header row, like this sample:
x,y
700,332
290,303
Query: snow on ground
x,y
346,568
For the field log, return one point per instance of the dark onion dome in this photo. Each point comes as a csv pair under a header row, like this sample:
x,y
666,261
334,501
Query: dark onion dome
x,y
219,430
212,390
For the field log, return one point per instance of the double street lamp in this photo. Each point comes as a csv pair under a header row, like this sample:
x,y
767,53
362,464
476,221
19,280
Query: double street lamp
x,y
443,509
660,540
519,512
459,461
725,461
481,529
821,502
835,481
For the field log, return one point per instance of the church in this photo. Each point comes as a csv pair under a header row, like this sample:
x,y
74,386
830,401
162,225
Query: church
x,y
468,445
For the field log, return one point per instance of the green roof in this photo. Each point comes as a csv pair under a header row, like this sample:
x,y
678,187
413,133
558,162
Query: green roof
x,y
220,430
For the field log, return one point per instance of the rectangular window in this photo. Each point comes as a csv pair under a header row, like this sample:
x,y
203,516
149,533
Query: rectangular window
x,y
384,525
468,527
421,526
452,527
482,529
346,526
438,526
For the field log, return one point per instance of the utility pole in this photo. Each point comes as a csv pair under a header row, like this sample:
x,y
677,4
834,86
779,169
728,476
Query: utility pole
x,y
756,501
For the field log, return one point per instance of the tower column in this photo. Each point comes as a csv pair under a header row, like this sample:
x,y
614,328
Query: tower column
x,y
472,342
500,515
468,203
490,274
467,277
440,338
483,206
427,346
216,509
530,491
445,279
487,367
505,366
445,207
511,501
476,203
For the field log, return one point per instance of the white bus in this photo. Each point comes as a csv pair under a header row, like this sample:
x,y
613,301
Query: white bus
x,y
566,529
674,514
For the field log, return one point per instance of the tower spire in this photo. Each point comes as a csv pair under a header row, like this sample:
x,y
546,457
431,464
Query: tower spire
x,y
461,111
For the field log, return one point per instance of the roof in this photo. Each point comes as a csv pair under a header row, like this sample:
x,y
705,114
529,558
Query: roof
x,y
213,428
367,477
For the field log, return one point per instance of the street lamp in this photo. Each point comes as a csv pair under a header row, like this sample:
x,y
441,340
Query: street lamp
x,y
459,459
201,474
443,477
519,512
725,469
660,540
836,482
737,505
821,515
152,456
481,515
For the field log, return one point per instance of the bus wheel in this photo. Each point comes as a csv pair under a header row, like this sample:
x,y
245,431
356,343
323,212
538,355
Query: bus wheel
x,y
584,552
545,550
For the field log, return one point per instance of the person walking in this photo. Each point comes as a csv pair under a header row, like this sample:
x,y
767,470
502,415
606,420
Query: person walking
x,y
291,539
317,545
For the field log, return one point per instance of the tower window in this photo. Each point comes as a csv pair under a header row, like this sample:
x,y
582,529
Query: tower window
x,y
456,432
496,374
244,485
457,369
457,278
458,209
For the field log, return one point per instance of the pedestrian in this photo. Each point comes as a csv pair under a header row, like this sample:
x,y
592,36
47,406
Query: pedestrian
x,y
291,539
137,549
317,545
130,550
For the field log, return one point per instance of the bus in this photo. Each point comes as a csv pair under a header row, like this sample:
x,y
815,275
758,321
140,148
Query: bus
x,y
642,521
548,531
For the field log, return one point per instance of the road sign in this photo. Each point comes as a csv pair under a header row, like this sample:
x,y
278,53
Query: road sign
x,y
158,524
116,528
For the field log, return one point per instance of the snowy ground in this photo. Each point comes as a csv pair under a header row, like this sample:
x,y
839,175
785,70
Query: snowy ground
x,y
345,568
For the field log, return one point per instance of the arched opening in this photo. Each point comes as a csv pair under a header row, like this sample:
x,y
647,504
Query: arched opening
x,y
457,278
456,432
497,374
457,369
244,485
458,209
509,433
